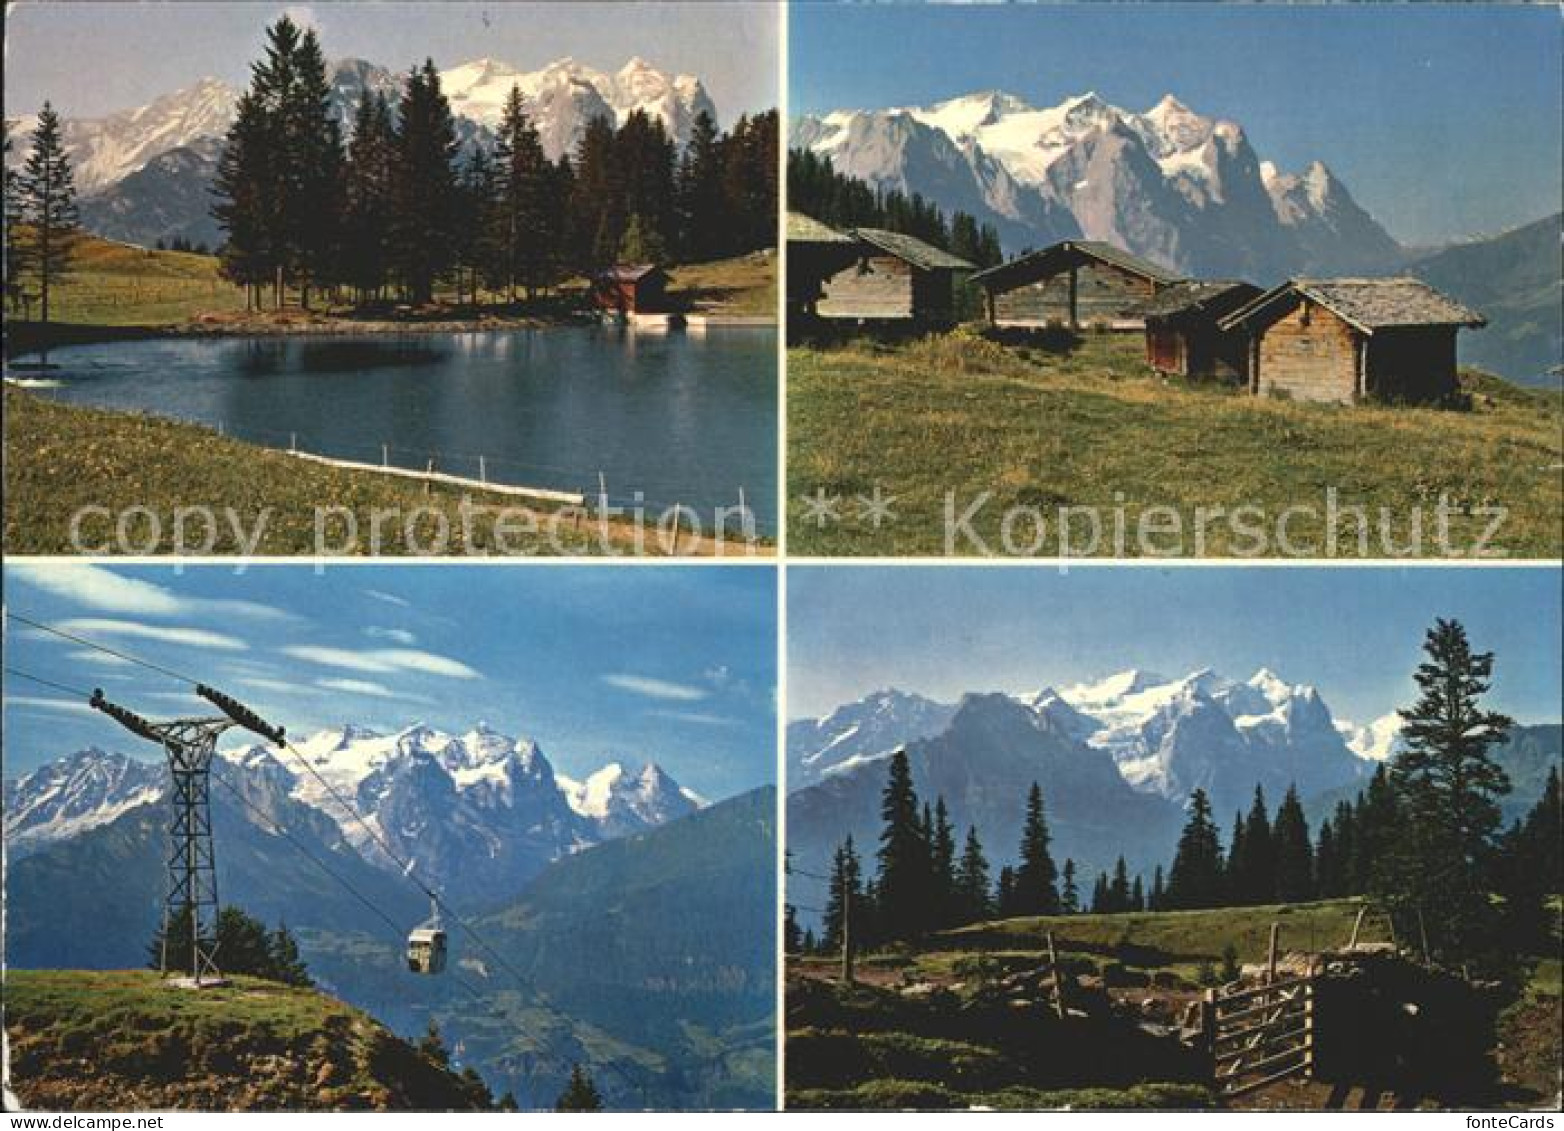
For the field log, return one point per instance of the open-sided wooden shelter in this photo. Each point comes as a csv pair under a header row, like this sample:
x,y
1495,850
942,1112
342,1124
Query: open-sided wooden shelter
x,y
1072,284
1344,340
893,277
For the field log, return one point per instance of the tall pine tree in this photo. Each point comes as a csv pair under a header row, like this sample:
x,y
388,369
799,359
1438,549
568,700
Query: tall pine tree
x,y
1037,891
423,226
1436,875
1294,856
46,204
1195,879
903,856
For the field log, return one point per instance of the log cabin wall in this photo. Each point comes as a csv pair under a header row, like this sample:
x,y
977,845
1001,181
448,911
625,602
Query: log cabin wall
x,y
1309,355
1165,349
876,286
1414,363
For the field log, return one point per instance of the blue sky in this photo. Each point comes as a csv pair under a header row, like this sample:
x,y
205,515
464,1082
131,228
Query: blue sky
x,y
597,663
1443,120
94,58
1355,633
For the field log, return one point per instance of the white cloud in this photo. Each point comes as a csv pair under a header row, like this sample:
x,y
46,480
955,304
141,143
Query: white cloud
x,y
44,703
655,688
700,718
388,598
168,634
396,635
358,687
380,661
103,590
98,659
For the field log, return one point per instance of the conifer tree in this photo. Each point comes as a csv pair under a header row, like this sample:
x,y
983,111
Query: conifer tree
x,y
369,179
242,206
1069,893
705,226
1195,879
1327,864
1435,875
311,149
1119,888
942,866
903,856
844,897
1005,892
1255,873
1294,857
1102,895
424,191
580,1093
792,936
16,246
1137,895
1156,898
46,204
971,886
523,187
1037,891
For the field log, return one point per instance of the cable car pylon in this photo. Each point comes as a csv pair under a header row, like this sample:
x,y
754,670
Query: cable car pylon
x,y
191,900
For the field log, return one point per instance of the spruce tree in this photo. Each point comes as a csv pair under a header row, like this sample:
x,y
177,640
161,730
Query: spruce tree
x,y
598,214
16,247
942,866
971,887
903,856
1102,895
368,198
705,225
46,204
1294,867
844,897
424,189
1005,892
1327,864
1156,899
311,150
580,1093
1195,879
1069,893
1137,895
1435,873
1037,891
1119,887
1255,875
524,184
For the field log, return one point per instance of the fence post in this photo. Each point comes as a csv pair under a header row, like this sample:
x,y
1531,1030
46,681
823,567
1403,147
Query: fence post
x,y
847,934
1270,956
1357,926
1208,1029
293,442
483,470
1308,1028
385,455
1053,962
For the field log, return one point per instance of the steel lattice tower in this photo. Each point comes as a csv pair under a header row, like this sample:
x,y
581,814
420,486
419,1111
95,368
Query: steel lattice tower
x,y
192,861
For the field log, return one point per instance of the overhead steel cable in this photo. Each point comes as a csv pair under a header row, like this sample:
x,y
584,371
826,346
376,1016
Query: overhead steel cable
x,y
82,640
47,683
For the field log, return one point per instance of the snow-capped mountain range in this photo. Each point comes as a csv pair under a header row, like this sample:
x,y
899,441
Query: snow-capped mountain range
x,y
480,811
1185,190
1165,736
110,155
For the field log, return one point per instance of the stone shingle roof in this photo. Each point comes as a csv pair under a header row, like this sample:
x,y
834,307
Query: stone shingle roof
x,y
1057,257
1368,304
806,229
912,250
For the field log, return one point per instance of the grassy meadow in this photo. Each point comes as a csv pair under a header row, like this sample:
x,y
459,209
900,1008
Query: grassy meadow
x,y
1090,425
60,458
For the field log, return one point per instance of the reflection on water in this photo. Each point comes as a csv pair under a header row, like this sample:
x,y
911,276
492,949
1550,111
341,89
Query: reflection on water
x,y
679,419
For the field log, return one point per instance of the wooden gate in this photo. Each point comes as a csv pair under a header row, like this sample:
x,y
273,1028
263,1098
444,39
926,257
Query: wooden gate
x,y
1260,1035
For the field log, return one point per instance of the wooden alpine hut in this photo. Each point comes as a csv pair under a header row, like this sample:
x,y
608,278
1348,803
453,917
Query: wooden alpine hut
x,y
626,289
894,277
815,252
1072,284
1344,340
1183,338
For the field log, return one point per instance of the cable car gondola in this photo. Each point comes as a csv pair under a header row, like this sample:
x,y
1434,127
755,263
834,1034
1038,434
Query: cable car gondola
x,y
426,945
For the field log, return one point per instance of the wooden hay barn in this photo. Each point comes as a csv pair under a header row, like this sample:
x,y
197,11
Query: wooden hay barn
x,y
815,252
631,289
894,277
1182,335
1072,284
1343,340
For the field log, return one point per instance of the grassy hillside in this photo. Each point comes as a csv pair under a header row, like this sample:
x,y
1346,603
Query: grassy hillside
x,y
745,285
116,284
1514,280
1093,426
117,1040
59,458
